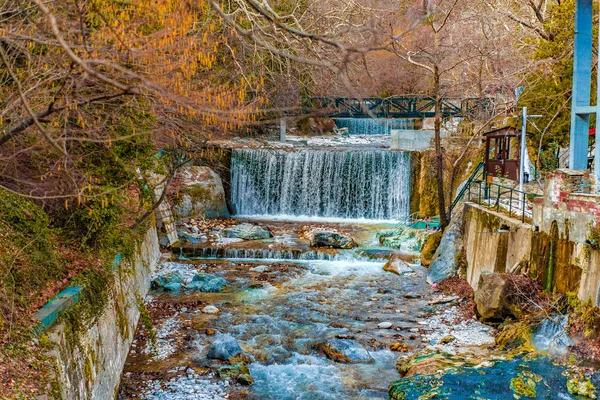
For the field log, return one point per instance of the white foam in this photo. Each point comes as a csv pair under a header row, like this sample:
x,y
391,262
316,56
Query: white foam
x,y
313,218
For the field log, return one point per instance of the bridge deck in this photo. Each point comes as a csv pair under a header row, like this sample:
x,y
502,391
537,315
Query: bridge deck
x,y
392,107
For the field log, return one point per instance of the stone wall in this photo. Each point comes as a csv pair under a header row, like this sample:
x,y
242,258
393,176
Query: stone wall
x,y
89,367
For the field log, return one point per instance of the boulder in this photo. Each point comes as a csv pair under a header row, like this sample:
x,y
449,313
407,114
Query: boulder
x,y
444,264
398,267
492,297
346,351
207,283
210,309
239,371
171,281
224,347
332,239
200,194
581,386
429,364
247,231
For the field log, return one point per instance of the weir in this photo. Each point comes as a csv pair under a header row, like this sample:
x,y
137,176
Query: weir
x,y
369,126
362,184
262,254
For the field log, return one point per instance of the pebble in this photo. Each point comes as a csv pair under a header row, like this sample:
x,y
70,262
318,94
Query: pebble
x,y
385,325
210,309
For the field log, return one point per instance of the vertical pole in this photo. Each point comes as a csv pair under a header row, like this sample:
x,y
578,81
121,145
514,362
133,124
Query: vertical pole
x,y
596,142
522,154
282,129
582,82
523,149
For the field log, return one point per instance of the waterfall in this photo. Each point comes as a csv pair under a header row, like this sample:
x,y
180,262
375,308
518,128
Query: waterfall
x,y
551,336
361,184
370,126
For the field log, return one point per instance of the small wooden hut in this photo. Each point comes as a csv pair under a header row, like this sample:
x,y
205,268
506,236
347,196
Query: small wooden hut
x,y
502,153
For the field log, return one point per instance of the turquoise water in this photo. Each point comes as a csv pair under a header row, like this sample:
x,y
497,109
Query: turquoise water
x,y
493,383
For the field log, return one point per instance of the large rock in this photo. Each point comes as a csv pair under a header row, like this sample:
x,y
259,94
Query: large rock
x,y
207,283
247,231
398,267
171,281
200,194
332,239
239,370
224,347
444,264
493,295
428,364
346,351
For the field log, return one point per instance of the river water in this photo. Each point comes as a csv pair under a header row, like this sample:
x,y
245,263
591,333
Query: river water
x,y
286,303
281,312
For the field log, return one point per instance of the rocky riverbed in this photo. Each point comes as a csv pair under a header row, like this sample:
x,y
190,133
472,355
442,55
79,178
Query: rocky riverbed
x,y
313,330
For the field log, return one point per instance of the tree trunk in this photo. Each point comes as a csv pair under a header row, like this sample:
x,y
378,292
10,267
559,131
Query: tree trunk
x,y
438,148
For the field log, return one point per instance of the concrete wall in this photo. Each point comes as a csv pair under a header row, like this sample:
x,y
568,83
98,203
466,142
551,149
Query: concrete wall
x,y
556,249
411,140
488,247
90,366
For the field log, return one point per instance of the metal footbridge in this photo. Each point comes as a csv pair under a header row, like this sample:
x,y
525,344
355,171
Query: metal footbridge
x,y
393,107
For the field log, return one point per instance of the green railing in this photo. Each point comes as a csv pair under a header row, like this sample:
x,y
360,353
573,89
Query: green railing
x,y
502,198
476,174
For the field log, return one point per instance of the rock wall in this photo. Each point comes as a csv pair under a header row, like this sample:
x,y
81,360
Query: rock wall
x,y
90,366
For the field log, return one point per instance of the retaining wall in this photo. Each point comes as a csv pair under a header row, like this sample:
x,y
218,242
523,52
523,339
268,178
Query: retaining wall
x,y
90,366
558,248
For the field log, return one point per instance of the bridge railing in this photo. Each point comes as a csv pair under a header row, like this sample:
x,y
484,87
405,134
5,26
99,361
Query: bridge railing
x,y
394,107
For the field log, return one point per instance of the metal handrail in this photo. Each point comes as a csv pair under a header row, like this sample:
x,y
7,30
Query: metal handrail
x,y
466,187
485,194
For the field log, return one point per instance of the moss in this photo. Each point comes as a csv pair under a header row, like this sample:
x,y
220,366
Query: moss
x,y
431,244
29,257
121,320
524,384
146,319
581,387
584,317
516,336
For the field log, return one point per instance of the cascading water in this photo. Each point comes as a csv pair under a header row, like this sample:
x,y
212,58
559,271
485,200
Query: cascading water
x,y
264,254
370,126
552,337
361,184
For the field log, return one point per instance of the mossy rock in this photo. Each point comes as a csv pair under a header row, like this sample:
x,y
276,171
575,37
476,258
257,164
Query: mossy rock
x,y
429,364
524,385
431,244
201,194
517,336
581,387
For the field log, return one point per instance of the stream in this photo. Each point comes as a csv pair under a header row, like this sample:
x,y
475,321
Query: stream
x,y
283,320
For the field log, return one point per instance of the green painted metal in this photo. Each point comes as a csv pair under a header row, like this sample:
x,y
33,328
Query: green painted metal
x,y
392,107
53,309
475,175
50,312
